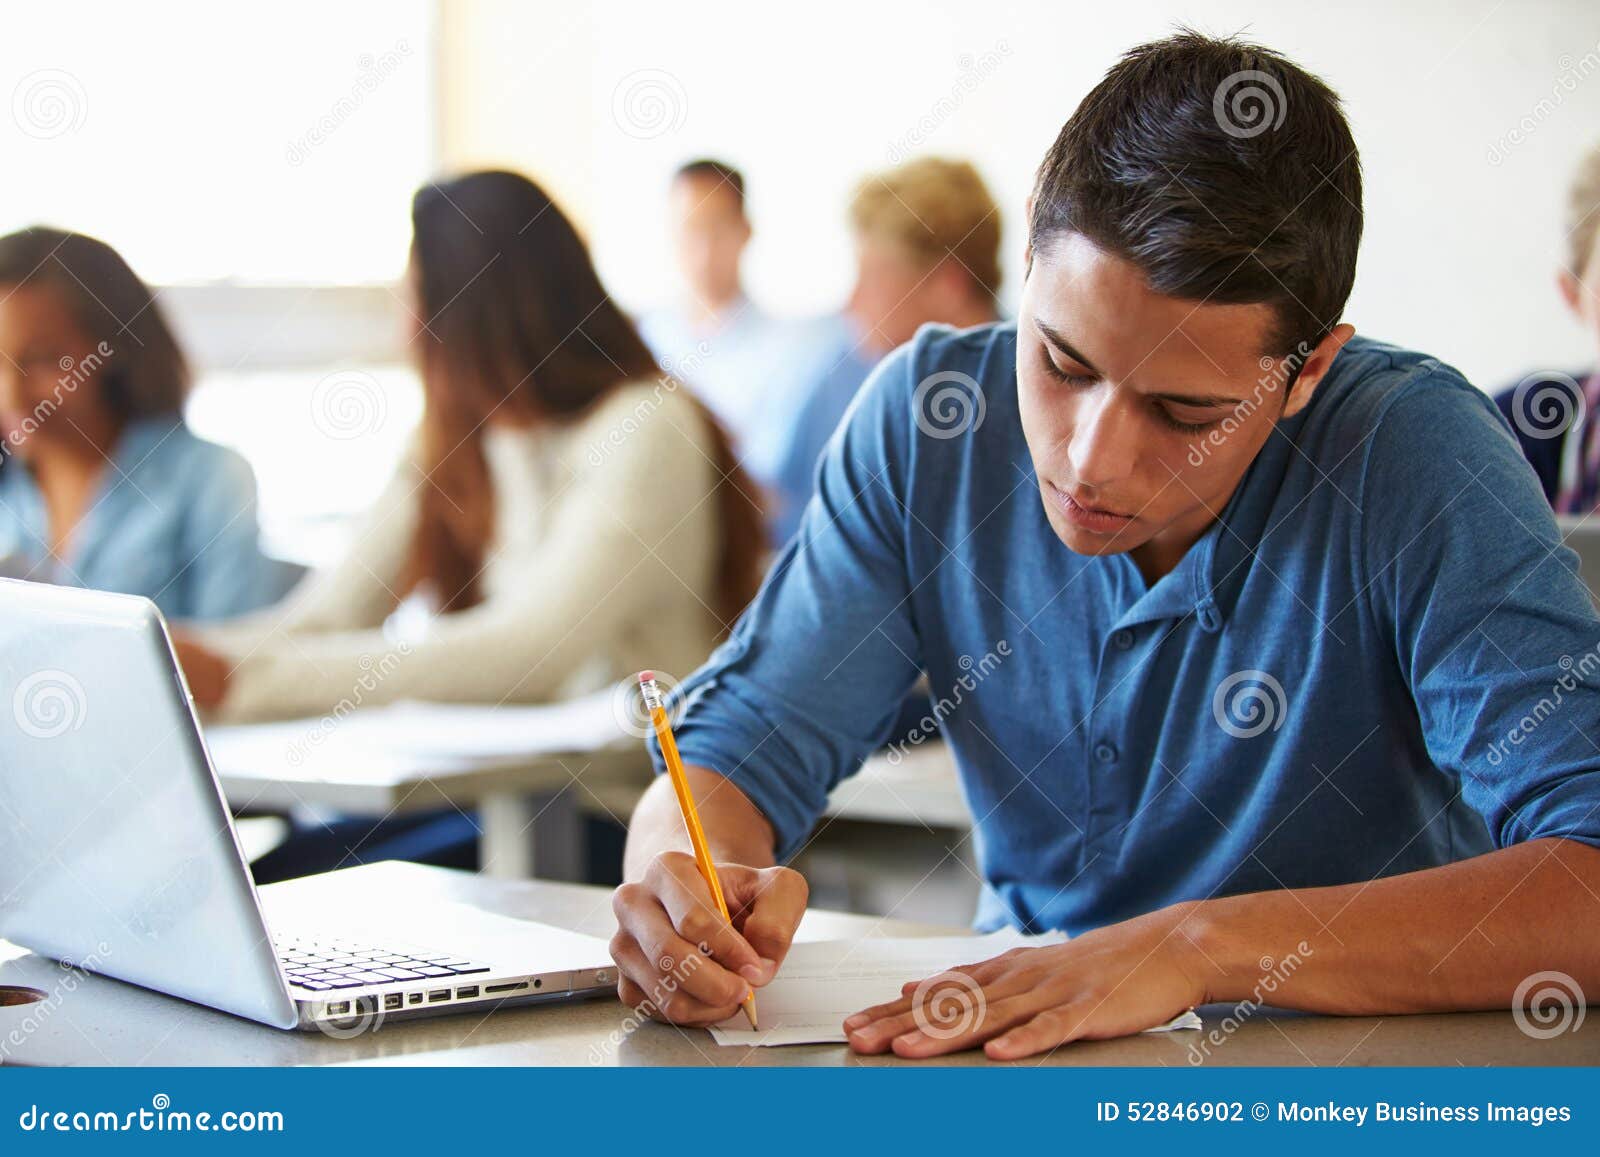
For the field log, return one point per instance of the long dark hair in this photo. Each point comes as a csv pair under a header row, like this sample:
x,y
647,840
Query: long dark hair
x,y
515,324
147,374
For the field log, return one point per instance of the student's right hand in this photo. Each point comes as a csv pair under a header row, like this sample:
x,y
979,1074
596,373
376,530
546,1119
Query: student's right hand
x,y
678,960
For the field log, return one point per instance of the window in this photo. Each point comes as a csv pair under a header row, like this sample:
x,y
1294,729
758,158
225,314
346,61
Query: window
x,y
256,165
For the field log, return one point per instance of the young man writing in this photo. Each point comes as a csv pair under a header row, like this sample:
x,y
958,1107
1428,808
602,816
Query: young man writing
x,y
1280,604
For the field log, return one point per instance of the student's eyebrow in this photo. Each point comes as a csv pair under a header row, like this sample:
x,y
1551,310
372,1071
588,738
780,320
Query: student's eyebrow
x,y
1054,337
1197,399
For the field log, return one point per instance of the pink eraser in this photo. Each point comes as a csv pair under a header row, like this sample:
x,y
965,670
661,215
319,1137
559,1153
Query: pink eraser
x,y
646,676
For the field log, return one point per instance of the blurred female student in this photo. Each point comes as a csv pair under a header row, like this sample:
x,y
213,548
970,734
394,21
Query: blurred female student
x,y
568,514
101,483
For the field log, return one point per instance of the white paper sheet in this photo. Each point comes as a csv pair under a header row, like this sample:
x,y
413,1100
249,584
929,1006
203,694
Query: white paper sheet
x,y
394,737
824,981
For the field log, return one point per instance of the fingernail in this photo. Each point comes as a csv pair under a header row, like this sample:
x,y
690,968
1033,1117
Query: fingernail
x,y
753,974
769,965
851,1023
909,1039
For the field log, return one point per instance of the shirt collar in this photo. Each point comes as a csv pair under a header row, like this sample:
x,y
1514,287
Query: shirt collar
x,y
1207,580
1190,588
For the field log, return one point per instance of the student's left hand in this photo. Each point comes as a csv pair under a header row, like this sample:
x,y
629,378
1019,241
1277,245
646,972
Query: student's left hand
x,y
205,671
1111,982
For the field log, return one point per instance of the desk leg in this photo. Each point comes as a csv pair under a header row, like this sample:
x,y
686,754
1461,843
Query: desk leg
x,y
506,848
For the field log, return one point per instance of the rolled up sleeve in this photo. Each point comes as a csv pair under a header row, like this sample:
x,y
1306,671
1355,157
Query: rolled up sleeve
x,y
1492,625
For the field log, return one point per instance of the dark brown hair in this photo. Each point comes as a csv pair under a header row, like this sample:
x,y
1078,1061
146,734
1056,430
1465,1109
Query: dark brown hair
x,y
715,170
147,375
1223,171
516,325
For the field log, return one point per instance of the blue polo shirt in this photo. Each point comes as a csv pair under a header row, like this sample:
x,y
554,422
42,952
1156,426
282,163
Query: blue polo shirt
x,y
173,518
1380,658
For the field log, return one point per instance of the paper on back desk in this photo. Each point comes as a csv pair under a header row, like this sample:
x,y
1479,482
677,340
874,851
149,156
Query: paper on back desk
x,y
397,735
825,981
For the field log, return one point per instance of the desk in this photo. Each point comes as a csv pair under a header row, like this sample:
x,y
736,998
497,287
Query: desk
x,y
530,798
103,1022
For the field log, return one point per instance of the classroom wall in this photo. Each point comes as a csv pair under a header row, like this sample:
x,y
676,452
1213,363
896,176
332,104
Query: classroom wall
x,y
1469,114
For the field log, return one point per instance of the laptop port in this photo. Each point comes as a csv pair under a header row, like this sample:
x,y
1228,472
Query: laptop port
x,y
341,1008
438,995
466,993
416,998
392,1000
515,986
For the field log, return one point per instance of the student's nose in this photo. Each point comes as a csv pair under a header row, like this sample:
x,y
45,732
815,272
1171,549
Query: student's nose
x,y
1104,442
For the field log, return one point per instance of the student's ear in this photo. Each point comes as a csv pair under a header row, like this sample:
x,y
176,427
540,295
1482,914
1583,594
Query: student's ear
x,y
1316,367
950,281
1571,292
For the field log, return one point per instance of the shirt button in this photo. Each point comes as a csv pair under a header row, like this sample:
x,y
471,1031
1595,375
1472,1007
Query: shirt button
x,y
1105,753
1122,640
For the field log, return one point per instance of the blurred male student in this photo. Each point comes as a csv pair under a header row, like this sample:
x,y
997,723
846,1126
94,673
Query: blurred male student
x,y
715,337
1264,689
1556,413
927,244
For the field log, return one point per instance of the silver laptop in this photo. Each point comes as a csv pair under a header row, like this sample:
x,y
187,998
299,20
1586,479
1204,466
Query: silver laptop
x,y
118,852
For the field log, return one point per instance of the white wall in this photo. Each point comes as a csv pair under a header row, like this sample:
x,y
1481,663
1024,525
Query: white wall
x,y
1459,252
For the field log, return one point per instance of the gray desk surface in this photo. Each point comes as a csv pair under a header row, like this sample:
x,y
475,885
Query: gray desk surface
x,y
104,1022
536,796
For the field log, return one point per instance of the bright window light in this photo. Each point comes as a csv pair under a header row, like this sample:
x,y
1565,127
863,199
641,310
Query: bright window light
x,y
208,142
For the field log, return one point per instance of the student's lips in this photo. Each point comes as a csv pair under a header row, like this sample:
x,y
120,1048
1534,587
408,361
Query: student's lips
x,y
1090,518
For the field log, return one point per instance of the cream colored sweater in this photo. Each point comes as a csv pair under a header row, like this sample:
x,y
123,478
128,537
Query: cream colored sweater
x,y
602,563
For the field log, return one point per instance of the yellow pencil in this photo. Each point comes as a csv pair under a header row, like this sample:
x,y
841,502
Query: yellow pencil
x,y
691,816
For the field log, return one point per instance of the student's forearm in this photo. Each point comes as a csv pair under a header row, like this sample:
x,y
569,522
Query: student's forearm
x,y
1462,936
736,830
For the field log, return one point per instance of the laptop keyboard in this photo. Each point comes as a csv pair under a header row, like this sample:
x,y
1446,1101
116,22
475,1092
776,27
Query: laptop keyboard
x,y
326,964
